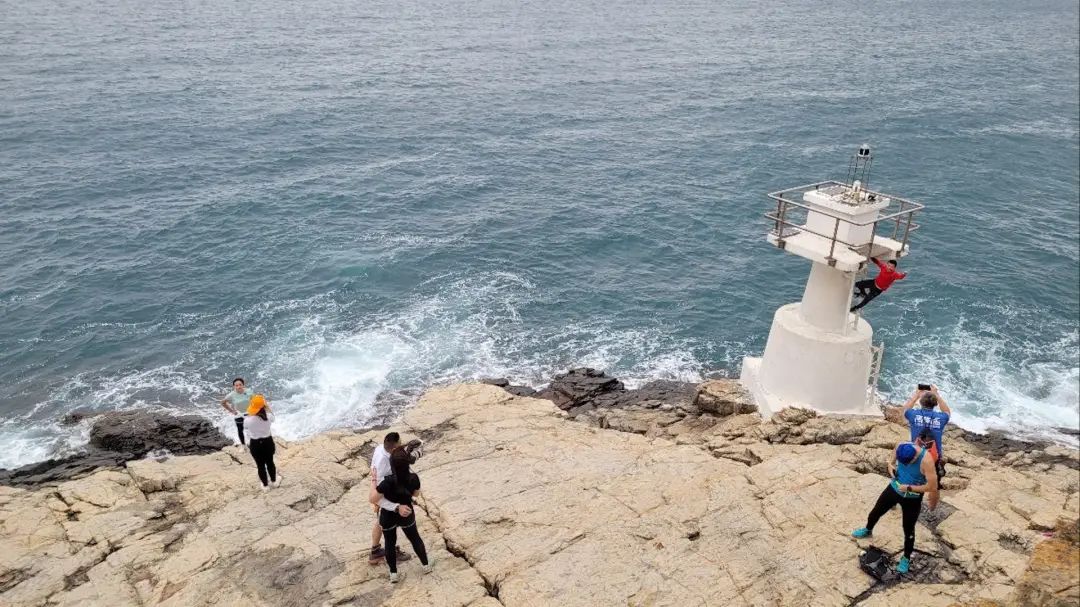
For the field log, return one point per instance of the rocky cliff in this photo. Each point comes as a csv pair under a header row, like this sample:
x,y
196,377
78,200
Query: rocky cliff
x,y
675,495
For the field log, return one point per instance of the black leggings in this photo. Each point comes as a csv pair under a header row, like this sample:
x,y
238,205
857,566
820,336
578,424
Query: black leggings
x,y
262,449
240,429
868,290
390,538
909,506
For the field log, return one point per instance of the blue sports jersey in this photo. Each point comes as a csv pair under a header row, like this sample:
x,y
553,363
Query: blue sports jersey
x,y
919,419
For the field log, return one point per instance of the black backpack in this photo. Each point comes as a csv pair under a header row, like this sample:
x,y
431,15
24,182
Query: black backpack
x,y
875,562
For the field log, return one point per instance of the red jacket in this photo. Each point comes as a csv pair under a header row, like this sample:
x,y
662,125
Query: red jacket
x,y
887,275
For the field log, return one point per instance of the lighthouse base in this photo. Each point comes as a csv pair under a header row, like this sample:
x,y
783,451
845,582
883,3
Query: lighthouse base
x,y
805,366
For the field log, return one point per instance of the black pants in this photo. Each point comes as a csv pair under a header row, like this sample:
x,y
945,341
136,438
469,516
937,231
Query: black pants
x,y
240,428
868,290
262,449
909,507
390,521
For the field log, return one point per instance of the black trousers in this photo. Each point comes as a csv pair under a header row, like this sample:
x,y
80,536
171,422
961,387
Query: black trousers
x,y
909,507
240,428
390,521
868,290
262,449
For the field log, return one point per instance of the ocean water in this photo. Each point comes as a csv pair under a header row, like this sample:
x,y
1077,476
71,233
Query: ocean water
x,y
342,200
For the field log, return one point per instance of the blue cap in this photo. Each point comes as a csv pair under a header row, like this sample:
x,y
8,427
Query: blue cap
x,y
905,452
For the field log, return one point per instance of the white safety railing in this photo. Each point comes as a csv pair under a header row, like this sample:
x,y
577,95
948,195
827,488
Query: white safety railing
x,y
876,354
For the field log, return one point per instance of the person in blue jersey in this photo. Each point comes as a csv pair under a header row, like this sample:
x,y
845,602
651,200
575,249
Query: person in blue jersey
x,y
927,423
913,476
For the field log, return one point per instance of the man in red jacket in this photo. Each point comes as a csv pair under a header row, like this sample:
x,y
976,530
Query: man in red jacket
x,y
872,287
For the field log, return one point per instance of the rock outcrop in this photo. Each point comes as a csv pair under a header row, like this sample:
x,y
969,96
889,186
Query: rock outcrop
x,y
527,504
118,437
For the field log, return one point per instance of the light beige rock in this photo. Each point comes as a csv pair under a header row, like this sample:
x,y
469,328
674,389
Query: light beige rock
x,y
723,397
522,506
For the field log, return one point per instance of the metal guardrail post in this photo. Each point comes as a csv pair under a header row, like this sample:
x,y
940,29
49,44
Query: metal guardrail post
x,y
907,230
780,242
832,247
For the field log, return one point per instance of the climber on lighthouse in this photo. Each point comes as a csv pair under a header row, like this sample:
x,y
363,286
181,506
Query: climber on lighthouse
x,y
872,287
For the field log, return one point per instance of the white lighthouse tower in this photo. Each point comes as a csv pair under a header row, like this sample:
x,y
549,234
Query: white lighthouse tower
x,y
819,355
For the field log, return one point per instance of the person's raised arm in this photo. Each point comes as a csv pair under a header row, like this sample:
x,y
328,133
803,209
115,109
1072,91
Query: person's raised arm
x,y
878,263
914,399
944,406
225,405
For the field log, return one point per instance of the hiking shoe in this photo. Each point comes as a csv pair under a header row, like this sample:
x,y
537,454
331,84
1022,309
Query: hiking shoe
x,y
377,555
394,578
903,565
402,556
861,532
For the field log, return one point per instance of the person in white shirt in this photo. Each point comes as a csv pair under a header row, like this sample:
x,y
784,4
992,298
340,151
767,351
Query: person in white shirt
x,y
260,441
380,469
236,402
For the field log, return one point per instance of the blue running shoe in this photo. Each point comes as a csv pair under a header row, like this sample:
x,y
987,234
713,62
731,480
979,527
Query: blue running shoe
x,y
903,565
861,532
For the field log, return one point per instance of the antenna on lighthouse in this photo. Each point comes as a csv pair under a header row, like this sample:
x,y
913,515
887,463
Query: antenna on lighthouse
x,y
858,174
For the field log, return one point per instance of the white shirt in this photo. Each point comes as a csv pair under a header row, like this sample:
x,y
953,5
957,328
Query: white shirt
x,y
380,469
257,427
380,464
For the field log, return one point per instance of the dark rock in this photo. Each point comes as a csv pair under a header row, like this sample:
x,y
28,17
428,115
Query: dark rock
x,y
996,445
122,436
500,382
139,433
77,416
56,470
651,396
579,386
520,390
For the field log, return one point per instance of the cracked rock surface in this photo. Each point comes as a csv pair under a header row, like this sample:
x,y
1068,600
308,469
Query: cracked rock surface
x,y
524,506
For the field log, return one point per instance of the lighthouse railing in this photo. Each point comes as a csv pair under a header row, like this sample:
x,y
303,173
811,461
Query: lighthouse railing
x,y
900,212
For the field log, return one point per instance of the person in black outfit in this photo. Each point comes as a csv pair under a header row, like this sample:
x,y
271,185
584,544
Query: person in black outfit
x,y
399,487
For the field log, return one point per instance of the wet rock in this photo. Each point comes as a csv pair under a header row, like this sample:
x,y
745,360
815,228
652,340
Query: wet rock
x,y
520,390
119,437
578,386
77,416
54,470
138,433
498,382
651,396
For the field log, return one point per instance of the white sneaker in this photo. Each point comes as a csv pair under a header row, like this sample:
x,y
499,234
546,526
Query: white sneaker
x,y
277,481
427,568
394,578
265,488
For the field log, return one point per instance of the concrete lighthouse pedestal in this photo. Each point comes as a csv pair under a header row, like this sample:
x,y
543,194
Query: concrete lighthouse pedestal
x,y
804,366
819,355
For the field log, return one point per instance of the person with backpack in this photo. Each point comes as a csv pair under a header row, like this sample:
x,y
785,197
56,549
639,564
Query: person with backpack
x,y
913,476
399,488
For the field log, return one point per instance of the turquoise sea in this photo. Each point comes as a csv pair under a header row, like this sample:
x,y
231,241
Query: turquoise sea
x,y
344,200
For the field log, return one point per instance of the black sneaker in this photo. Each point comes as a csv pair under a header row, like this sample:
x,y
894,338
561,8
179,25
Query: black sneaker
x,y
402,556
